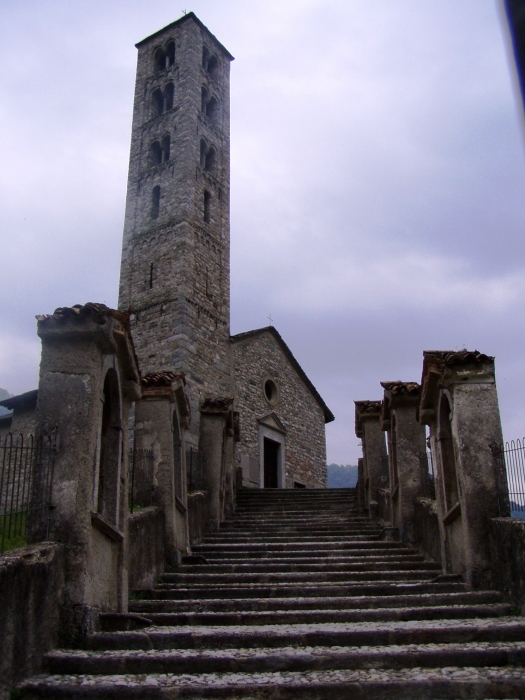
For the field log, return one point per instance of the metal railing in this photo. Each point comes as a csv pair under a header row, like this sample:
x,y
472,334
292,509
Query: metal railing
x,y
141,466
509,460
26,482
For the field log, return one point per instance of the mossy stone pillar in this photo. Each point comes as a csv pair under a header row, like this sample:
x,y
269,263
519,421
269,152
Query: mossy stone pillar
x,y
88,378
161,419
460,404
216,454
406,452
375,459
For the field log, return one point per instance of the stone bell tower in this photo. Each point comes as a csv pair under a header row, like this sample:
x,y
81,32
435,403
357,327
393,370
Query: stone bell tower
x,y
175,271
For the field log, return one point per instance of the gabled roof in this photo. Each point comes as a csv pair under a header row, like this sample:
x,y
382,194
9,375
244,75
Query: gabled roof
x,y
185,18
328,415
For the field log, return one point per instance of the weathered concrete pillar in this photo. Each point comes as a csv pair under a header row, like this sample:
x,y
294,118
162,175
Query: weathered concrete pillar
x,y
375,459
459,402
161,418
407,453
216,456
88,377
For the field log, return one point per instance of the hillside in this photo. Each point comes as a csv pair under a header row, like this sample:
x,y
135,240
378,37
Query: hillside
x,y
341,476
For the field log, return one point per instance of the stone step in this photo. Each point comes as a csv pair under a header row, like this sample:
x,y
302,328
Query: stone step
x,y
305,564
504,629
298,556
304,546
446,683
320,658
303,590
288,617
295,539
370,573
359,602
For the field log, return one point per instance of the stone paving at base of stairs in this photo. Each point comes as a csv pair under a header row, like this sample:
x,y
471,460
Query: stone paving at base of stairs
x,y
447,680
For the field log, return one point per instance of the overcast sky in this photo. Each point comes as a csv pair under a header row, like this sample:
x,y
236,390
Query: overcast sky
x,y
378,181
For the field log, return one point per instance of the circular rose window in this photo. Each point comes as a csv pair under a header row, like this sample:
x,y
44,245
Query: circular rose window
x,y
271,392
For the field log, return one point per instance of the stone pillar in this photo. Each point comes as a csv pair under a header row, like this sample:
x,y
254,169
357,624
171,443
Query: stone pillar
x,y
88,378
161,418
360,488
407,453
459,402
216,455
375,459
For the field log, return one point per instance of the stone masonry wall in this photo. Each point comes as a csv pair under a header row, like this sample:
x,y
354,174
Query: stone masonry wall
x,y
255,359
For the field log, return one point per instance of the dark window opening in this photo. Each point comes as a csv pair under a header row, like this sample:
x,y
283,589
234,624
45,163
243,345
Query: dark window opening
x,y
151,276
157,102
207,156
205,96
209,161
169,92
211,110
209,61
207,202
165,147
155,152
271,392
155,202
170,53
159,60
204,150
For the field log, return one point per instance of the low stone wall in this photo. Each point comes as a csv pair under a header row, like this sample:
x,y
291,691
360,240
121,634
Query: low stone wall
x,y
146,547
508,569
197,516
31,589
426,528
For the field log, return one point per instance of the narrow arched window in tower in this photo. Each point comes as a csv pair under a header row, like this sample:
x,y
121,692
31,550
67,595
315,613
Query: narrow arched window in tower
x,y
205,95
151,268
157,102
155,202
209,161
211,110
170,53
448,458
110,438
203,151
155,153
165,148
209,61
159,60
207,206
169,91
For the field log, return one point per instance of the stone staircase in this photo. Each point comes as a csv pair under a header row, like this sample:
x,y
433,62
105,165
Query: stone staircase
x,y
299,596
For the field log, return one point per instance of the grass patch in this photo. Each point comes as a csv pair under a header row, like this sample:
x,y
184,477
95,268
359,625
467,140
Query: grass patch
x,y
12,531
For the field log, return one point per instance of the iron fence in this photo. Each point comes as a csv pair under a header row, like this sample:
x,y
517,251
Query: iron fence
x,y
509,460
26,482
141,486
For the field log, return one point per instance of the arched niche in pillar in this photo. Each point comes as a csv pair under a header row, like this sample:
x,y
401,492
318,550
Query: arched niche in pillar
x,y
110,449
